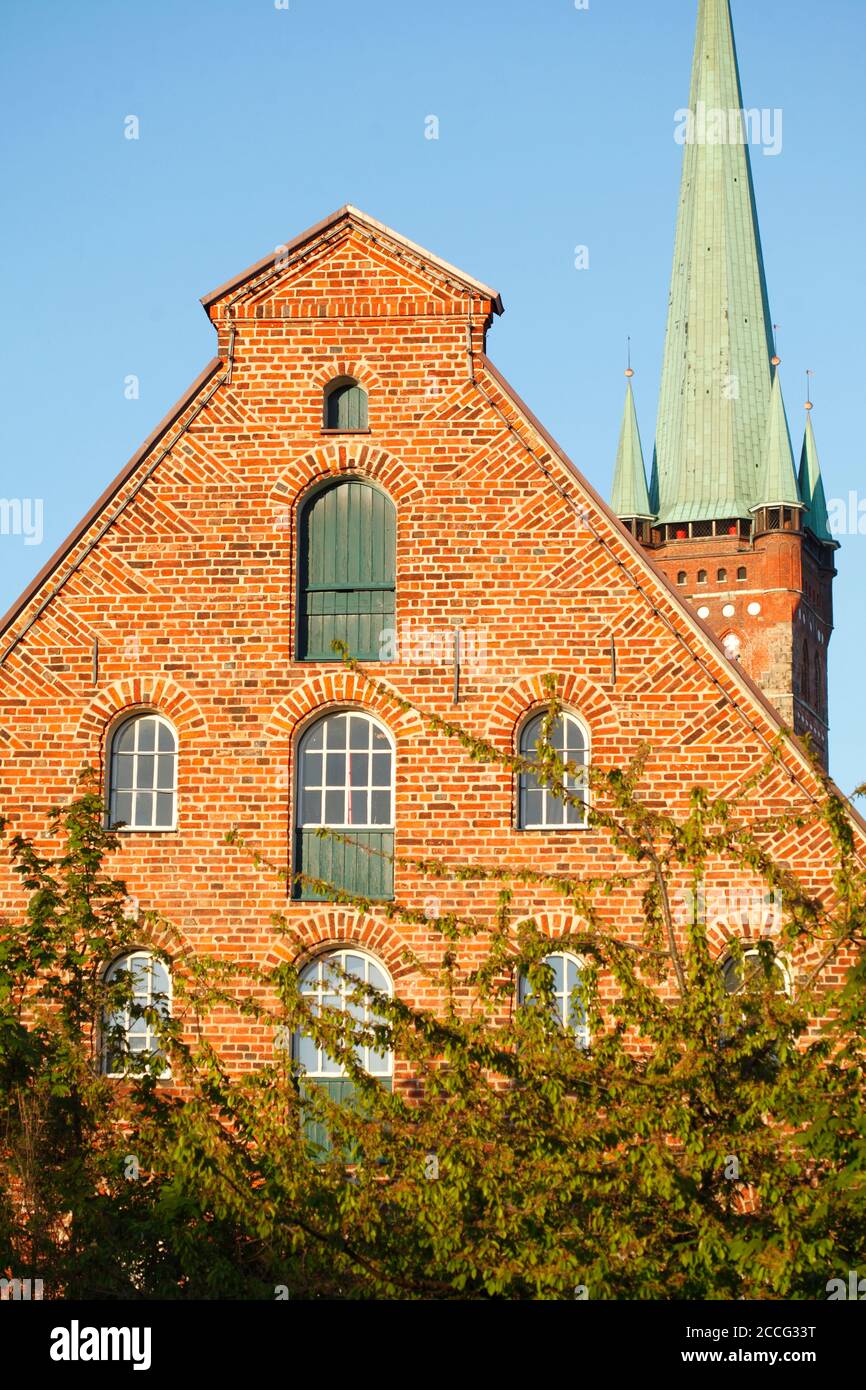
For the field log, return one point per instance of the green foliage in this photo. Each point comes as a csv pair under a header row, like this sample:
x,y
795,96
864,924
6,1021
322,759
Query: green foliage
x,y
705,1145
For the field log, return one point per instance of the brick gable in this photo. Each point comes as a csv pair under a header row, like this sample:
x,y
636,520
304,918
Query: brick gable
x,y
185,579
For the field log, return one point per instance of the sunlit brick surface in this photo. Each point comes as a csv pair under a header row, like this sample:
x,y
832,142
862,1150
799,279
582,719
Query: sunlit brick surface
x,y
191,594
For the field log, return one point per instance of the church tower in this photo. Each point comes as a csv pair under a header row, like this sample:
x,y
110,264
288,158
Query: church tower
x,y
727,514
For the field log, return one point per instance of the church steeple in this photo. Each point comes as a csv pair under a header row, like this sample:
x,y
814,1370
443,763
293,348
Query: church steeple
x,y
716,375
630,498
777,479
732,526
816,518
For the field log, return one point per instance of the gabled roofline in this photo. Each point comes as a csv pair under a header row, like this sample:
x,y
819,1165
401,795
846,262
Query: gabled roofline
x,y
346,213
111,491
738,675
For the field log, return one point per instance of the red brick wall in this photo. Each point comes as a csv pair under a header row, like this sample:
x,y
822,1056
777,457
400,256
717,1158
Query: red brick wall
x,y
191,595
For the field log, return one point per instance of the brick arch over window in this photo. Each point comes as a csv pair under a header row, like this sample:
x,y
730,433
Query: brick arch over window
x,y
338,927
558,924
159,693
337,688
354,367
338,460
577,693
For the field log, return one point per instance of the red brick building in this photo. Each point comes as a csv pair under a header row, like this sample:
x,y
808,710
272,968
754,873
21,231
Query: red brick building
x,y
351,463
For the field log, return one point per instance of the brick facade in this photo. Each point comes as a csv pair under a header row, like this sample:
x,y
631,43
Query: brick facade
x,y
190,597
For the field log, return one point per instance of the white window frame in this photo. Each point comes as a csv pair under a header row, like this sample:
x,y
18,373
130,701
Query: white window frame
x,y
137,717
313,985
562,996
544,825
346,826
125,962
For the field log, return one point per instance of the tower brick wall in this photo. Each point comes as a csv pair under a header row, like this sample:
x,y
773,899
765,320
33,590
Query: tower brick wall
x,y
773,597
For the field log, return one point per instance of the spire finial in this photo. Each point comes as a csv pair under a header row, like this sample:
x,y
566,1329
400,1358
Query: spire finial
x,y
628,371
809,375
776,359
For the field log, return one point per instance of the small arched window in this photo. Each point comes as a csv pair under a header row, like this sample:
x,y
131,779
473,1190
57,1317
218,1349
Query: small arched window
x,y
345,782
681,577
818,683
569,1008
741,572
345,405
750,974
347,572
130,1038
722,577
539,808
143,774
702,576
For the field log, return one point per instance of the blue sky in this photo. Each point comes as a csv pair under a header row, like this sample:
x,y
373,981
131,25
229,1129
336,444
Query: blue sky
x,y
555,130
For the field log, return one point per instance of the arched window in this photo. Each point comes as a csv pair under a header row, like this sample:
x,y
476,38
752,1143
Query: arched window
x,y
741,572
569,1008
346,782
702,576
743,976
322,981
324,984
143,774
819,684
805,675
130,1040
347,567
345,405
722,577
539,808
681,577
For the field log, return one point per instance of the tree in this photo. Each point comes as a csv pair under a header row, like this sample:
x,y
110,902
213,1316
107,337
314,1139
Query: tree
x,y
708,1142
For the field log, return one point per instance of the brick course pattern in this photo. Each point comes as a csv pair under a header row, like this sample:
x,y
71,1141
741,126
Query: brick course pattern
x,y
190,593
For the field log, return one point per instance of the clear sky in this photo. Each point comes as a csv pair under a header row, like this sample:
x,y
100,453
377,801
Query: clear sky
x,y
556,129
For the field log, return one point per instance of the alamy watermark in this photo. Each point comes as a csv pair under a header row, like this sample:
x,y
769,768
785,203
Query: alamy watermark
x,y
758,909
422,646
847,515
853,1290
20,1290
22,516
710,125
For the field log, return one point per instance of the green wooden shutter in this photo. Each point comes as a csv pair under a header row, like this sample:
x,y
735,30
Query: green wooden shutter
x,y
346,866
347,572
346,408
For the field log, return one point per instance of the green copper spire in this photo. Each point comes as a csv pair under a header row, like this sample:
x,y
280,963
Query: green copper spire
x,y
812,489
630,497
716,374
777,485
